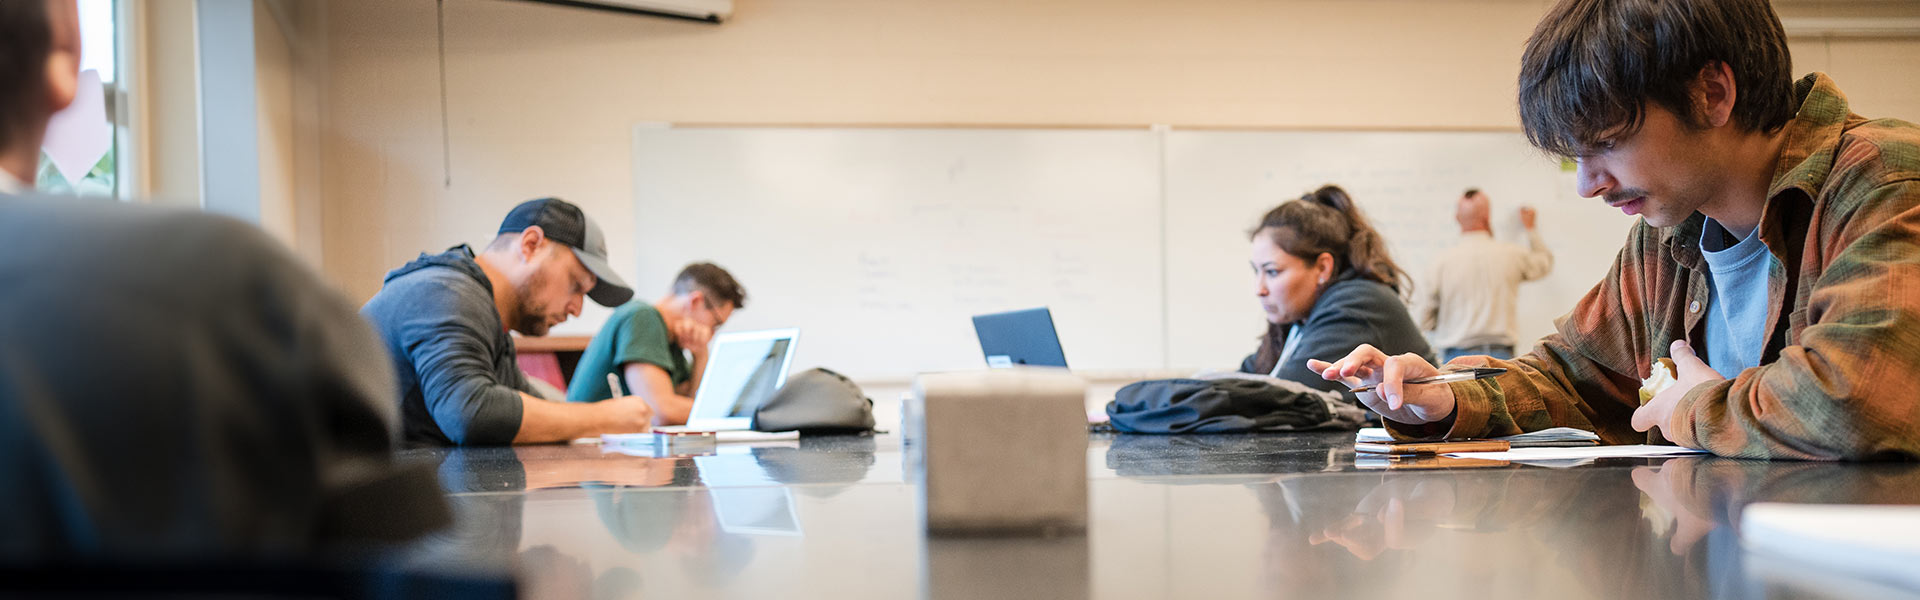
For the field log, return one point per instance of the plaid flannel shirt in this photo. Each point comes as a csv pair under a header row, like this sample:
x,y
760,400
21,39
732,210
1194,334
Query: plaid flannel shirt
x,y
1840,376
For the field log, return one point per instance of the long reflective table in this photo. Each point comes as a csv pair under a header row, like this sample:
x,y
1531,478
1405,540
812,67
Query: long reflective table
x,y
1193,516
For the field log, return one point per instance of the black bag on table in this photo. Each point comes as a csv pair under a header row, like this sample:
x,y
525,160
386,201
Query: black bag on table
x,y
1229,404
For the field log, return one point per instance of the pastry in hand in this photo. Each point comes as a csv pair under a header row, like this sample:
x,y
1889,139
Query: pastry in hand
x,y
1658,381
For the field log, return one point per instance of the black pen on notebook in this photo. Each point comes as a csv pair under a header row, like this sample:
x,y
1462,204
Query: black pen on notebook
x,y
1446,377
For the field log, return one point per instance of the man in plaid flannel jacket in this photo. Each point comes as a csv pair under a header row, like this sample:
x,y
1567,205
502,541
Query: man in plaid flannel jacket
x,y
1686,113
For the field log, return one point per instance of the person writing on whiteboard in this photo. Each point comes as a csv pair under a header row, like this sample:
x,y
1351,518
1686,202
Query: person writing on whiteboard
x,y
659,351
1469,304
1774,263
445,319
1327,284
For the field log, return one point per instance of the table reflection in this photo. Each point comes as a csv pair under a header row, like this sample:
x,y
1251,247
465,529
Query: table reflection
x,y
679,524
1257,456
1183,518
698,517
1577,529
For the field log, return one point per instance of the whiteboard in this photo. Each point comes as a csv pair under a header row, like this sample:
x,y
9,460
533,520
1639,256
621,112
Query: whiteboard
x,y
1219,183
880,244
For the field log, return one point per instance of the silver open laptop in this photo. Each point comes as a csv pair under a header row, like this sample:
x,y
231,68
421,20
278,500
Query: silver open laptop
x,y
743,369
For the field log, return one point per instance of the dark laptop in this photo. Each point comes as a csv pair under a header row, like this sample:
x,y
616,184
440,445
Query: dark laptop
x,y
1021,337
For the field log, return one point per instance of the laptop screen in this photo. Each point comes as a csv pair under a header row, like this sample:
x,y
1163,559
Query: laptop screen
x,y
743,370
1021,337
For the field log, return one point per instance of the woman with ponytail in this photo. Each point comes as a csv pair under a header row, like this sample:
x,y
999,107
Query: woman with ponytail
x,y
1322,274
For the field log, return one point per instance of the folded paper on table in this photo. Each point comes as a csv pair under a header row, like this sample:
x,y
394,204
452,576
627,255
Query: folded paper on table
x,y
726,437
1557,436
1575,456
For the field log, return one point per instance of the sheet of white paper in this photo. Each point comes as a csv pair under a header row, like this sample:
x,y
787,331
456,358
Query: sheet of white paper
x,y
729,437
1379,434
1877,542
1580,453
79,136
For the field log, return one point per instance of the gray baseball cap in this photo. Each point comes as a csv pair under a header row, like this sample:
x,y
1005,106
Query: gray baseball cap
x,y
565,223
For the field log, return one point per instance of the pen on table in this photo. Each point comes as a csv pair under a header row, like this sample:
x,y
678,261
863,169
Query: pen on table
x,y
1446,377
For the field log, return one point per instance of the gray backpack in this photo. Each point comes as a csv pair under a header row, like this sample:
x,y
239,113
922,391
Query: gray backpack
x,y
816,400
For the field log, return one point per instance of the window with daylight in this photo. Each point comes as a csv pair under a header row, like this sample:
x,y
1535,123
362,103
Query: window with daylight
x,y
99,40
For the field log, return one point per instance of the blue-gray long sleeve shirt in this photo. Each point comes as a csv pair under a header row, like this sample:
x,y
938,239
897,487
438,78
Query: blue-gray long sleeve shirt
x,y
459,380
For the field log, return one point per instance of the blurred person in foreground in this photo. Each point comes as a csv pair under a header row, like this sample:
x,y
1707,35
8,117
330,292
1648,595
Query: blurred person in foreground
x,y
175,387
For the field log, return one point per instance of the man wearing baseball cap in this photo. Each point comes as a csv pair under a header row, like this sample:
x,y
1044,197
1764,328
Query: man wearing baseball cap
x,y
445,318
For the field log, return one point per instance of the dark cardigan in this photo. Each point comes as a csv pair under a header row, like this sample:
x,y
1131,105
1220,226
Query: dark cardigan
x,y
1349,313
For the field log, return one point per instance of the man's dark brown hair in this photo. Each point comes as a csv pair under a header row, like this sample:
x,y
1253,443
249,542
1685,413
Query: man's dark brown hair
x,y
717,282
26,38
1592,67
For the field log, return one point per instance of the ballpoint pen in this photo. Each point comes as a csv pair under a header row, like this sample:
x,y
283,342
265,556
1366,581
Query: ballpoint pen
x,y
1449,376
613,382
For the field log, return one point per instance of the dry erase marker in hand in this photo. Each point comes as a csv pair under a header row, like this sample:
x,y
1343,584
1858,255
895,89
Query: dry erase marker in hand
x,y
613,383
1447,377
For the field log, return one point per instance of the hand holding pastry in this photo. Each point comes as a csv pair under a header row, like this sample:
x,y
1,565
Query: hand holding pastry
x,y
1688,373
1658,381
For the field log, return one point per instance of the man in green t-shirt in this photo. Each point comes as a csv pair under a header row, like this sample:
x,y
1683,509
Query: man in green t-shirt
x,y
660,350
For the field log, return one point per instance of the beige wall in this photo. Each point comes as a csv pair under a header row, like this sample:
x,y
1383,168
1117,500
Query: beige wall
x,y
288,54
1878,75
541,99
273,82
